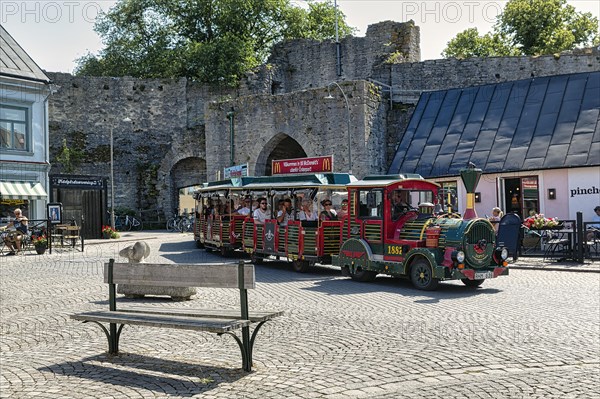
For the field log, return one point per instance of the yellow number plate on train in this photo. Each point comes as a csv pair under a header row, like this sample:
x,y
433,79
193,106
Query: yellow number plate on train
x,y
394,250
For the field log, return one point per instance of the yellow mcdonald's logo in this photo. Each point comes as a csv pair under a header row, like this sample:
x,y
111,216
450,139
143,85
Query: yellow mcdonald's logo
x,y
326,164
276,167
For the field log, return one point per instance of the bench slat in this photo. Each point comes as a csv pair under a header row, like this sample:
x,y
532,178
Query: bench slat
x,y
223,275
216,325
254,316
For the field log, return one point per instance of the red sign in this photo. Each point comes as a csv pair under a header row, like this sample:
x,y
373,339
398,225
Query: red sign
x,y
302,165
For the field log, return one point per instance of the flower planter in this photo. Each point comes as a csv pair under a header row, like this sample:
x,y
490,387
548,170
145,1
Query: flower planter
x,y
106,236
40,250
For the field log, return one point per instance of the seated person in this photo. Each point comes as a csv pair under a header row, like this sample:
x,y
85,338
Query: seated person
x,y
400,205
594,232
262,213
307,212
245,209
285,213
328,213
342,213
495,218
14,238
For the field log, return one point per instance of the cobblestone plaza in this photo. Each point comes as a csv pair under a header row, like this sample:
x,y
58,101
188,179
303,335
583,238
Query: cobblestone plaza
x,y
533,334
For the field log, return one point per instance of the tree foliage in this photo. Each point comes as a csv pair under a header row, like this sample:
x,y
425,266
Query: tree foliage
x,y
528,27
206,40
470,44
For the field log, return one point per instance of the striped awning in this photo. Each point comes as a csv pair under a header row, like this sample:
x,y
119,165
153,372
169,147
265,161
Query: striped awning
x,y
22,190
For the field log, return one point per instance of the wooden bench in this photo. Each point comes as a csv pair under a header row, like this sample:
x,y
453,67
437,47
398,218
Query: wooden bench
x,y
219,321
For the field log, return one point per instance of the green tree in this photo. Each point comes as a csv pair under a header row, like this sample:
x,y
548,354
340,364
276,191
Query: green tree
x,y
546,26
470,44
528,27
207,40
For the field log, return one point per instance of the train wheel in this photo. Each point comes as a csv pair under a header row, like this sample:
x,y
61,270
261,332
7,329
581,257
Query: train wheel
x,y
472,283
421,276
199,244
224,252
301,266
256,259
364,276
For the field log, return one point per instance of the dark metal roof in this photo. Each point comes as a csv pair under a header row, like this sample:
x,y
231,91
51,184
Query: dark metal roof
x,y
15,62
541,123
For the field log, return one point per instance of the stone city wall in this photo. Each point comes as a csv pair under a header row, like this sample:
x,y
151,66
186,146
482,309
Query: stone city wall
x,y
178,133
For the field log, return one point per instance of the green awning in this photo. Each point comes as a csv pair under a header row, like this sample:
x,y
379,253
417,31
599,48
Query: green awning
x,y
22,190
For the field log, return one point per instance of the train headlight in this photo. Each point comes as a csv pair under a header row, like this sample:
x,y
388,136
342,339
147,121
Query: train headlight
x,y
458,256
500,255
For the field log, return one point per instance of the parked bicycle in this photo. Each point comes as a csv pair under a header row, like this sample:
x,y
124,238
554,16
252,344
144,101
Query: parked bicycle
x,y
127,223
186,224
173,223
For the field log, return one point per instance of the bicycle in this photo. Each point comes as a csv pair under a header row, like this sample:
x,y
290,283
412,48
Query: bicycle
x,y
128,223
186,224
173,223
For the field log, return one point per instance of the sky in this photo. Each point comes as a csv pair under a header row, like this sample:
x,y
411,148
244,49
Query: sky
x,y
56,33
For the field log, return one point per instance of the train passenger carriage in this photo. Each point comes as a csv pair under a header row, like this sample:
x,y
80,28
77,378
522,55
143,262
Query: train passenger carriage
x,y
218,226
304,242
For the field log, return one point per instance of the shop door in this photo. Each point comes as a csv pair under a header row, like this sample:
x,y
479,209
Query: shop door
x,y
93,209
521,196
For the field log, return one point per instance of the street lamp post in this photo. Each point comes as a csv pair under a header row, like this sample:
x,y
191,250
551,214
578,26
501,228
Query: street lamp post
x,y
230,116
112,176
338,49
329,96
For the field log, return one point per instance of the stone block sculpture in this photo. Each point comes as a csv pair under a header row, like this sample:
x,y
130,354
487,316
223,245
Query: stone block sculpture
x,y
136,253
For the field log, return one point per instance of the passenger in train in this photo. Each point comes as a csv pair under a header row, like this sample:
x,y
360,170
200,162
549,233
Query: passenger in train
x,y
307,213
343,212
246,207
262,213
285,212
328,212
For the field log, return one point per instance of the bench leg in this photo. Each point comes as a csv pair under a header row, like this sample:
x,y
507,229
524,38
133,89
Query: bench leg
x,y
112,335
246,344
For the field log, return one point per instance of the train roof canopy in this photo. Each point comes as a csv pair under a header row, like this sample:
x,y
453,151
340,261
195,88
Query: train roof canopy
x,y
407,180
290,181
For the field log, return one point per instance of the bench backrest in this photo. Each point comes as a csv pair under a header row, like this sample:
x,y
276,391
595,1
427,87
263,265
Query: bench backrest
x,y
222,275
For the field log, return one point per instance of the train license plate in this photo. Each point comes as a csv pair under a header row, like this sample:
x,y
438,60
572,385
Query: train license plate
x,y
483,275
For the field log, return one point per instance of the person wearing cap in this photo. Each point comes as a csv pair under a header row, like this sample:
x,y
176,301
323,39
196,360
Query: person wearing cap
x,y
328,212
245,209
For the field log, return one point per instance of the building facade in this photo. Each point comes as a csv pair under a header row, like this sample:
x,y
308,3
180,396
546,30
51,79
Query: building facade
x,y
24,157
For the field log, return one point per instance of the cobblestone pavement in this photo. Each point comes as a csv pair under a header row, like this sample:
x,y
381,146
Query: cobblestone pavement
x,y
533,334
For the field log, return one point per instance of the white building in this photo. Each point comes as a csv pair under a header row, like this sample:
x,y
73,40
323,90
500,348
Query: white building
x,y
24,162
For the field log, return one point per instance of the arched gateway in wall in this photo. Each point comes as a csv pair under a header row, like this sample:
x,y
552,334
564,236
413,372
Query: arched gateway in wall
x,y
182,173
281,146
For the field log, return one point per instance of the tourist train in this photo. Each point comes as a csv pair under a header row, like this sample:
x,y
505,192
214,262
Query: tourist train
x,y
397,225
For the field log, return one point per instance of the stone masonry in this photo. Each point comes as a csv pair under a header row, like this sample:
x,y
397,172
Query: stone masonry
x,y
172,133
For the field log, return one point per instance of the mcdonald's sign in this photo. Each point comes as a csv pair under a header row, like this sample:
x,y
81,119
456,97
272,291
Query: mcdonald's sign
x,y
302,165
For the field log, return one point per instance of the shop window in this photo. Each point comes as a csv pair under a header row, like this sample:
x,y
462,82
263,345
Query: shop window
x,y
14,128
